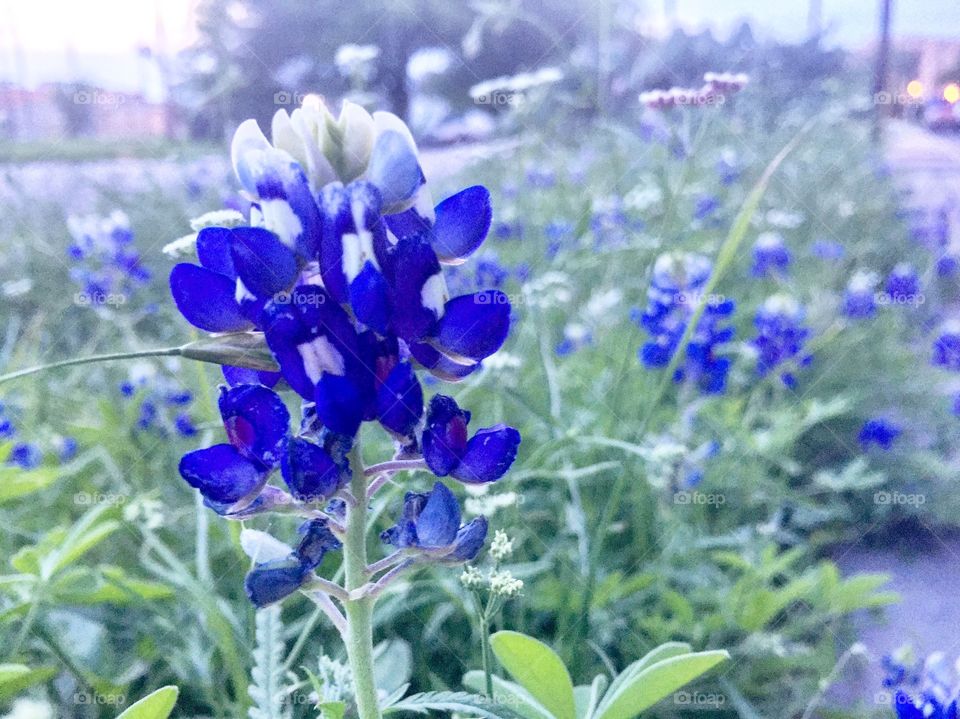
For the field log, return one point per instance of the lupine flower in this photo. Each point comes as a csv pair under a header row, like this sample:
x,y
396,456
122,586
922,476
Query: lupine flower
x,y
163,405
25,455
880,432
780,338
924,690
106,267
341,270
705,206
558,232
576,336
66,448
946,347
827,249
728,167
770,255
902,283
859,299
610,224
675,288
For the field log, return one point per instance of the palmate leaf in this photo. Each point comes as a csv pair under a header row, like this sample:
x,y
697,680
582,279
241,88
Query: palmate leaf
x,y
157,705
475,705
538,669
655,682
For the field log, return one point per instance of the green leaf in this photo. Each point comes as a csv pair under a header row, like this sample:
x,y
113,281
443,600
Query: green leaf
x,y
657,681
332,710
538,669
507,692
461,702
588,697
15,482
657,654
14,678
157,705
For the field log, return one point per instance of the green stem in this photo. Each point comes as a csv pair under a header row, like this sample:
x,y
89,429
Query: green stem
x,y
161,352
485,652
359,612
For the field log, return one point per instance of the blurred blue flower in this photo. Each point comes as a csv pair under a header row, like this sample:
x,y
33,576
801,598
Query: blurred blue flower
x,y
903,283
827,249
859,298
780,338
878,431
770,255
106,267
25,455
946,347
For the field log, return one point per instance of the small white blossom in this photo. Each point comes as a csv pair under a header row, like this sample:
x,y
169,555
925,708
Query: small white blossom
x,y
502,546
472,578
505,584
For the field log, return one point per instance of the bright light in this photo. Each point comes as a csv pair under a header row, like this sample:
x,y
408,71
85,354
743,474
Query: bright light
x,y
915,89
951,93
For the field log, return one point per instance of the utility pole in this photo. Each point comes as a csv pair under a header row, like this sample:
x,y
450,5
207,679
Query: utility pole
x,y
880,72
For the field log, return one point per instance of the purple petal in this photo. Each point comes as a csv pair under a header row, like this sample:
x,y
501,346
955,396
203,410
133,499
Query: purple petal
x,y
310,473
439,519
408,224
256,420
206,299
263,263
469,541
213,250
370,298
444,438
221,473
462,223
340,404
415,263
489,454
474,326
270,582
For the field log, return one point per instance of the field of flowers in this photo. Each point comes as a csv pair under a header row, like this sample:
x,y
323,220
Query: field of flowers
x,y
726,358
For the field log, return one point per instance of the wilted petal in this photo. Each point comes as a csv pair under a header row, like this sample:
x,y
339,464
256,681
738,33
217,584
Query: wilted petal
x,y
206,299
474,326
317,540
309,471
489,454
220,473
445,435
462,223
270,582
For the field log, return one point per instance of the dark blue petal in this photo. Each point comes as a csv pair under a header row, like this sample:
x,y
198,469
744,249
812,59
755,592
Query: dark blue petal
x,y
336,221
221,473
462,223
408,224
439,519
393,168
469,541
270,499
317,541
415,263
256,420
213,250
370,298
340,403
283,188
445,435
244,375
309,471
400,400
270,582
439,365
489,454
474,326
206,299
263,263
904,706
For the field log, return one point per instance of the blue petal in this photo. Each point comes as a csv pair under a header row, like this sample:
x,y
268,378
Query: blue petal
x,y
340,404
269,499
221,473
310,473
256,420
270,582
469,541
213,250
370,298
393,168
904,706
316,542
336,221
415,262
400,400
439,519
439,365
407,224
243,375
263,263
444,437
474,326
206,299
489,454
462,223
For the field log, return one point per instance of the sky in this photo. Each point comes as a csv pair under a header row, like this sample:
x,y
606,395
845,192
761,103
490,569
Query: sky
x,y
96,40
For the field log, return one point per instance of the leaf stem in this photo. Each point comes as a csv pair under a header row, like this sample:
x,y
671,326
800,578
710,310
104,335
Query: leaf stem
x,y
160,352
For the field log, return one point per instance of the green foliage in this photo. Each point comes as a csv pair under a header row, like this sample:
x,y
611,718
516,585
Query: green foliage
x,y
156,705
268,686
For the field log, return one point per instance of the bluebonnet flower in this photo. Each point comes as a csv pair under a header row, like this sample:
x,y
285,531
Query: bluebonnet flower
x,y
541,178
25,455
576,336
490,273
946,347
780,338
859,299
770,255
880,432
341,270
675,288
924,690
505,230
902,282
164,405
558,232
609,223
106,267
827,249
66,448
705,206
728,168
